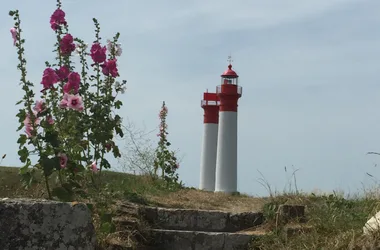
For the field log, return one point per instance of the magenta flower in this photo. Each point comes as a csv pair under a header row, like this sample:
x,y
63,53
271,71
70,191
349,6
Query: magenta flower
x,y
62,160
57,19
93,167
63,73
98,53
73,83
49,77
75,102
110,68
67,44
14,35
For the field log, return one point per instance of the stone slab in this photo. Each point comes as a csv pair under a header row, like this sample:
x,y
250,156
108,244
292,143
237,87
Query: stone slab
x,y
200,220
197,240
41,224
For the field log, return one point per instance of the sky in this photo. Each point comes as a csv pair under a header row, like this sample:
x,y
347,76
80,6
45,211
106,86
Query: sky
x,y
309,70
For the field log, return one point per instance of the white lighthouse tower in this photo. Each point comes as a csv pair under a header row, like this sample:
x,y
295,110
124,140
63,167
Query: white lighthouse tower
x,y
226,162
210,105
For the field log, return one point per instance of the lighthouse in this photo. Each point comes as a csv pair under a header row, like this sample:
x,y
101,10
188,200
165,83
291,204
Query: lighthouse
x,y
228,93
210,105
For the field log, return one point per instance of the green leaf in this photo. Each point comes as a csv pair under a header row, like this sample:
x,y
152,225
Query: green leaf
x,y
24,169
116,152
105,164
22,139
62,194
19,102
24,154
119,131
52,138
118,104
49,164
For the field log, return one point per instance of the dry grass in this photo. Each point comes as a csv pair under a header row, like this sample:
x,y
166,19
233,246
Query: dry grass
x,y
195,199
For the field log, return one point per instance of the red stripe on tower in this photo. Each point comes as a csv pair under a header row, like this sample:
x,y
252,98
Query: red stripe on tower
x,y
210,105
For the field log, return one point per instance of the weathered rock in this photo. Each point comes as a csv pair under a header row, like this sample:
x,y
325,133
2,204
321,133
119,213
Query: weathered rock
x,y
372,225
291,212
41,224
243,221
199,220
196,240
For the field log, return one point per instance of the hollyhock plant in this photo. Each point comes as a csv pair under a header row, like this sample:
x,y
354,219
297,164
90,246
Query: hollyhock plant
x,y
49,78
75,112
63,72
93,166
75,102
110,68
165,159
67,44
98,53
62,160
72,83
57,19
64,101
116,47
39,106
14,35
50,120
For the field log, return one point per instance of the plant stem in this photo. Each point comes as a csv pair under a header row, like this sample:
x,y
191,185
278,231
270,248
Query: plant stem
x,y
47,186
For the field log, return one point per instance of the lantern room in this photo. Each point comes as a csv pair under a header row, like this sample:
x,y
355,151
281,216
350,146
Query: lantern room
x,y
229,76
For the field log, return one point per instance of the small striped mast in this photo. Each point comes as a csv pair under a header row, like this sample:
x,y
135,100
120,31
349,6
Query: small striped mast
x,y
210,105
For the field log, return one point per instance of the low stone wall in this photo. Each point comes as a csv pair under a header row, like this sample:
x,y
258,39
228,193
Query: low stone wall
x,y
41,224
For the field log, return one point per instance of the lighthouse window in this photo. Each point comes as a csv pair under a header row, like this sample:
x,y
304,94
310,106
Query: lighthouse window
x,y
227,81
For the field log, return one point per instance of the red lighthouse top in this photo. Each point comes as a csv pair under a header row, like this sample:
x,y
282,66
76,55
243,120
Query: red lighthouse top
x,y
229,73
229,92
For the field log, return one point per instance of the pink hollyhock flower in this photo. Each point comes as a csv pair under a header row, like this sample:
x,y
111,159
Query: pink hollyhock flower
x,y
28,131
93,167
67,44
98,53
39,106
29,125
62,160
63,73
110,67
64,101
75,102
57,19
28,120
49,77
14,35
50,120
